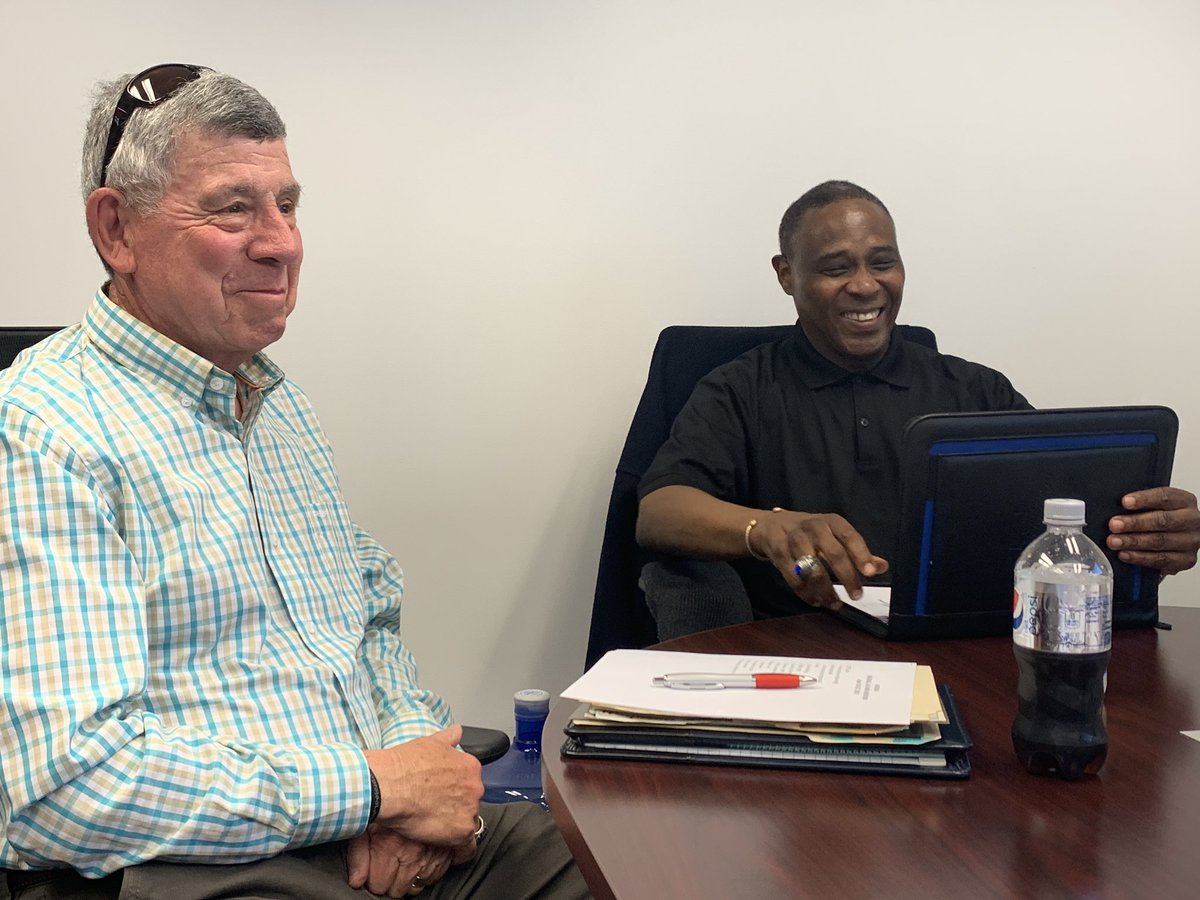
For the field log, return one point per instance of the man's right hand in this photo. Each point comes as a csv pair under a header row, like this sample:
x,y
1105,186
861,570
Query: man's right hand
x,y
685,521
787,536
428,789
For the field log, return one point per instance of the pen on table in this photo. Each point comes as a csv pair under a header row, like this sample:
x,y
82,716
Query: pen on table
x,y
715,681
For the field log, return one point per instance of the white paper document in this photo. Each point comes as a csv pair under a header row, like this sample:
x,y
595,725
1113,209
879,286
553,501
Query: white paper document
x,y
876,600
1194,735
845,691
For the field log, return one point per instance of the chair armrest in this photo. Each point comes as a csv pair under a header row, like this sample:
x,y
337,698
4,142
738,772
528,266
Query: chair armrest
x,y
485,744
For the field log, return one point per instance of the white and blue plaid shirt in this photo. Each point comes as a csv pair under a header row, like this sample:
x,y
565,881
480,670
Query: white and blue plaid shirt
x,y
196,640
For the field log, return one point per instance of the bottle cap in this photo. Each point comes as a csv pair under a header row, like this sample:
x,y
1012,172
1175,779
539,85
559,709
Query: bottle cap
x,y
1060,511
532,702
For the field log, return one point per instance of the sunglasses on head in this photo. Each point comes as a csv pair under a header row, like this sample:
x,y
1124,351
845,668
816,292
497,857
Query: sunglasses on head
x,y
146,89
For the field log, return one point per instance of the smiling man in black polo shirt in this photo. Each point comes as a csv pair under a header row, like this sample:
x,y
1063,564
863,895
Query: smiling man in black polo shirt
x,y
792,450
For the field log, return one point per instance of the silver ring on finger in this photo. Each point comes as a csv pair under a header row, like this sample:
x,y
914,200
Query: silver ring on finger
x,y
807,566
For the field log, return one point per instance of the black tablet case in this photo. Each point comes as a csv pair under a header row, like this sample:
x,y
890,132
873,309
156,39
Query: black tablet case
x,y
587,742
971,500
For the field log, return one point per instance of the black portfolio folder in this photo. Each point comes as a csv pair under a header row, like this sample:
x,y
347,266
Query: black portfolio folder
x,y
944,758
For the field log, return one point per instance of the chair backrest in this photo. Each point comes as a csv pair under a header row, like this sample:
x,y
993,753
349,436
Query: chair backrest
x,y
683,355
14,339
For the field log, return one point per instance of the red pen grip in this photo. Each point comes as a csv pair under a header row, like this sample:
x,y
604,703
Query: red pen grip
x,y
776,680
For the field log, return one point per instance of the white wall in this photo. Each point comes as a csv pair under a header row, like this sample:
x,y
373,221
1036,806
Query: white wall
x,y
504,203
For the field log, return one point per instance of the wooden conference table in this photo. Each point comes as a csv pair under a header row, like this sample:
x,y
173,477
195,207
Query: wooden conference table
x,y
664,830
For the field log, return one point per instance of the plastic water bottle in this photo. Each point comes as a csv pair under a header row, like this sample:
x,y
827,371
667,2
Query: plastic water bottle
x,y
1062,638
517,775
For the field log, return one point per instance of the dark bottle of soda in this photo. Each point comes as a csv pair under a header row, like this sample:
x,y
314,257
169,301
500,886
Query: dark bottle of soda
x,y
1062,638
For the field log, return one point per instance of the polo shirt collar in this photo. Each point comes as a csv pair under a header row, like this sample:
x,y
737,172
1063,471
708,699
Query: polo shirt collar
x,y
134,345
816,371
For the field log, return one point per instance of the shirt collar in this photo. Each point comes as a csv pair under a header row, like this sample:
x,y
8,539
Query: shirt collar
x,y
131,343
816,371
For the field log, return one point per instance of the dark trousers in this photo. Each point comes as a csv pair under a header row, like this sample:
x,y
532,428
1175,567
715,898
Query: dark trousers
x,y
522,856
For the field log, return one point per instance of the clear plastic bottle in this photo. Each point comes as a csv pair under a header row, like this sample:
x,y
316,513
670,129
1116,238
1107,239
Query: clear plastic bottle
x,y
517,775
1062,638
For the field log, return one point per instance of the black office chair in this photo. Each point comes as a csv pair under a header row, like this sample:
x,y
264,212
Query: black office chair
x,y
485,744
15,338
683,355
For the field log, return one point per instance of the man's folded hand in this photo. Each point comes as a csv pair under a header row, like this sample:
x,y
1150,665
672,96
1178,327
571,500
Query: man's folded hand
x,y
429,790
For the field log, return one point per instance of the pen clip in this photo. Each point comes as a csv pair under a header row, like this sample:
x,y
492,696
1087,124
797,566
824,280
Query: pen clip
x,y
682,683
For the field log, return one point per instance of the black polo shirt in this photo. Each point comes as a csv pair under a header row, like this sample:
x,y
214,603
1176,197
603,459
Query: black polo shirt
x,y
783,426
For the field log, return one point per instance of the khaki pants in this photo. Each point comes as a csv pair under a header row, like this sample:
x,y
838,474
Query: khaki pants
x,y
522,856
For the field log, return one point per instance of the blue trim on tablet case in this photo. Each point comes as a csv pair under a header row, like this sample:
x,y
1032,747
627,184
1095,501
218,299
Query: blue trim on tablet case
x,y
1018,445
1049,442
923,572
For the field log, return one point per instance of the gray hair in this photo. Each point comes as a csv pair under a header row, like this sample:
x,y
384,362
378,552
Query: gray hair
x,y
140,169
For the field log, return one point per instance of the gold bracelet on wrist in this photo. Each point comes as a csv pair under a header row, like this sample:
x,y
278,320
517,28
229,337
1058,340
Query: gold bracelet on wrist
x,y
749,528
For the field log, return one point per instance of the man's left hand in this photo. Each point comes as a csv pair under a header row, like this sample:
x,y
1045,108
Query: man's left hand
x,y
387,863
1162,532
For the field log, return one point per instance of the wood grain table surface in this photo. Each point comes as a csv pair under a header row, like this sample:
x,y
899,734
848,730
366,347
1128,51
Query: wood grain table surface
x,y
671,830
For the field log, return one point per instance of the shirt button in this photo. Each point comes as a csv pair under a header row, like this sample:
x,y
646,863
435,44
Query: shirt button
x,y
864,421
186,402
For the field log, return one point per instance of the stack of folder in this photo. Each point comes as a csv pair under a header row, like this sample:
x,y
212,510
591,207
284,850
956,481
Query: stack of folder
x,y
842,715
